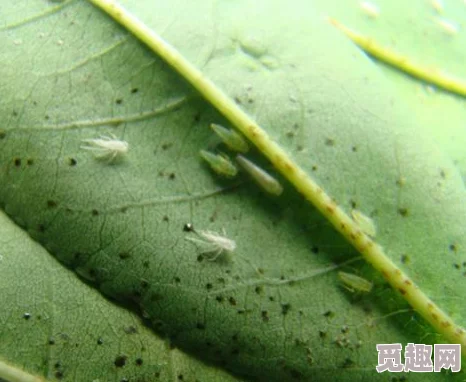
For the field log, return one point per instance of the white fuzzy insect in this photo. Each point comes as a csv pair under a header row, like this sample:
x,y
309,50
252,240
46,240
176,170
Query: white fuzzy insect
x,y
370,9
262,178
449,27
107,148
355,283
214,243
364,222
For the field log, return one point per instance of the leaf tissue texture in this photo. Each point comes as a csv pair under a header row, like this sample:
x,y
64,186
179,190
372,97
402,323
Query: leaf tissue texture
x,y
274,308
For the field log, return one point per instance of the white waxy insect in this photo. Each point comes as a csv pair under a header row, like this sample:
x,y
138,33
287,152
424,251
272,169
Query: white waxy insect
x,y
364,222
262,178
107,148
213,243
220,163
231,138
370,9
437,5
355,283
448,26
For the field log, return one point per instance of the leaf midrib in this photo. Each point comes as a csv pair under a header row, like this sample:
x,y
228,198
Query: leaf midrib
x,y
369,249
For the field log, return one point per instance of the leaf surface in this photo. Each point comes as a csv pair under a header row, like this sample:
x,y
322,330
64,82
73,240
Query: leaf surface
x,y
275,308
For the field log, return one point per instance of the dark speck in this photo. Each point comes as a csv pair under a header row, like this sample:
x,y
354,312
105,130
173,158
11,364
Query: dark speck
x,y
403,211
120,361
17,162
232,301
59,374
329,142
348,363
188,227
285,308
265,315
124,255
27,316
51,203
295,374
329,314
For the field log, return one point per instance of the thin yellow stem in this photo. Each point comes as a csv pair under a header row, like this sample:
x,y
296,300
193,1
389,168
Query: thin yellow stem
x,y
432,76
15,374
301,180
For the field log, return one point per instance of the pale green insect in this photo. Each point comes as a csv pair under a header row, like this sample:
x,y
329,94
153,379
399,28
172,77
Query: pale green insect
x,y
262,178
220,163
364,222
355,283
231,138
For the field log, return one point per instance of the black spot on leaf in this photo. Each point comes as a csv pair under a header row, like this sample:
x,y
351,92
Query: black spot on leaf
x,y
120,360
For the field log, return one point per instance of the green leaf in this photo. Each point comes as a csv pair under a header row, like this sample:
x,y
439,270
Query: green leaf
x,y
417,34
274,309
56,326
